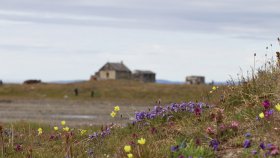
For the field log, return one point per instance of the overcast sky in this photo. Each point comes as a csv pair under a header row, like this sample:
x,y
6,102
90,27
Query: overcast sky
x,y
72,39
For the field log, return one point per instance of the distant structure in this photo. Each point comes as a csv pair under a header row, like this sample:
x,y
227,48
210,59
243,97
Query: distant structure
x,y
144,76
1,82
32,82
195,80
113,71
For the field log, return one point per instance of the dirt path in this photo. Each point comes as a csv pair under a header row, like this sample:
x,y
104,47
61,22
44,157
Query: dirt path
x,y
75,112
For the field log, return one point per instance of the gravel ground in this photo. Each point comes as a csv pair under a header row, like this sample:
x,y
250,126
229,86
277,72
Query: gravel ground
x,y
74,112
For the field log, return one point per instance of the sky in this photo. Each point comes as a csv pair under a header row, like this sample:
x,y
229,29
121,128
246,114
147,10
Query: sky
x,y
72,39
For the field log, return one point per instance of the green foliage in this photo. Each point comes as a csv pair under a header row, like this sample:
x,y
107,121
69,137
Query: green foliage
x,y
190,149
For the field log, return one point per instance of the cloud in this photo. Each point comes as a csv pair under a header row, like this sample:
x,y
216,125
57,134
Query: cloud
x,y
189,36
228,17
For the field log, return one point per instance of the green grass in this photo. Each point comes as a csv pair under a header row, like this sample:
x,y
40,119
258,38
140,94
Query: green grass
x,y
117,91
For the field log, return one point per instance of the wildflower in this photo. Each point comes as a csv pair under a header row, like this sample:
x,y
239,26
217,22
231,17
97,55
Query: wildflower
x,y
83,131
261,115
129,155
262,146
247,143
94,135
209,130
277,107
63,123
274,150
197,111
90,152
55,128
214,88
40,131
270,112
266,104
197,141
127,148
254,152
18,147
174,148
113,114
141,141
234,124
66,129
248,135
116,108
211,92
214,143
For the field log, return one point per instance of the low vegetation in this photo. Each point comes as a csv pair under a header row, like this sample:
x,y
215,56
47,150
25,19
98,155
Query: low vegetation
x,y
241,119
109,90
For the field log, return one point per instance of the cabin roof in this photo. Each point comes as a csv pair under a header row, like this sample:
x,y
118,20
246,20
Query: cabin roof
x,y
143,72
115,66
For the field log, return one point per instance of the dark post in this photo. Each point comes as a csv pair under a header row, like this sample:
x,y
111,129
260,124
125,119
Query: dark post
x,y
92,93
76,91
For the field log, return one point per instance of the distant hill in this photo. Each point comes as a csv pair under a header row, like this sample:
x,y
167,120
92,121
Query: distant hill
x,y
67,81
161,81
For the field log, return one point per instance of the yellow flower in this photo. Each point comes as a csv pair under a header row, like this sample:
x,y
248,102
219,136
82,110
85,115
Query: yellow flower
x,y
55,128
261,115
214,88
40,131
141,141
113,114
63,123
127,148
116,108
66,129
277,107
83,131
129,155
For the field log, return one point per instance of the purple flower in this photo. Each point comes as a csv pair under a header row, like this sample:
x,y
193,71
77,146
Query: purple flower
x,y
94,135
254,152
159,111
214,143
262,146
248,135
269,145
18,147
266,104
197,111
174,148
181,156
90,152
247,143
270,112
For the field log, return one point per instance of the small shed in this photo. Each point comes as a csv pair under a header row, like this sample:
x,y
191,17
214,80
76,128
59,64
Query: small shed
x,y
195,80
114,71
144,76
32,81
1,82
